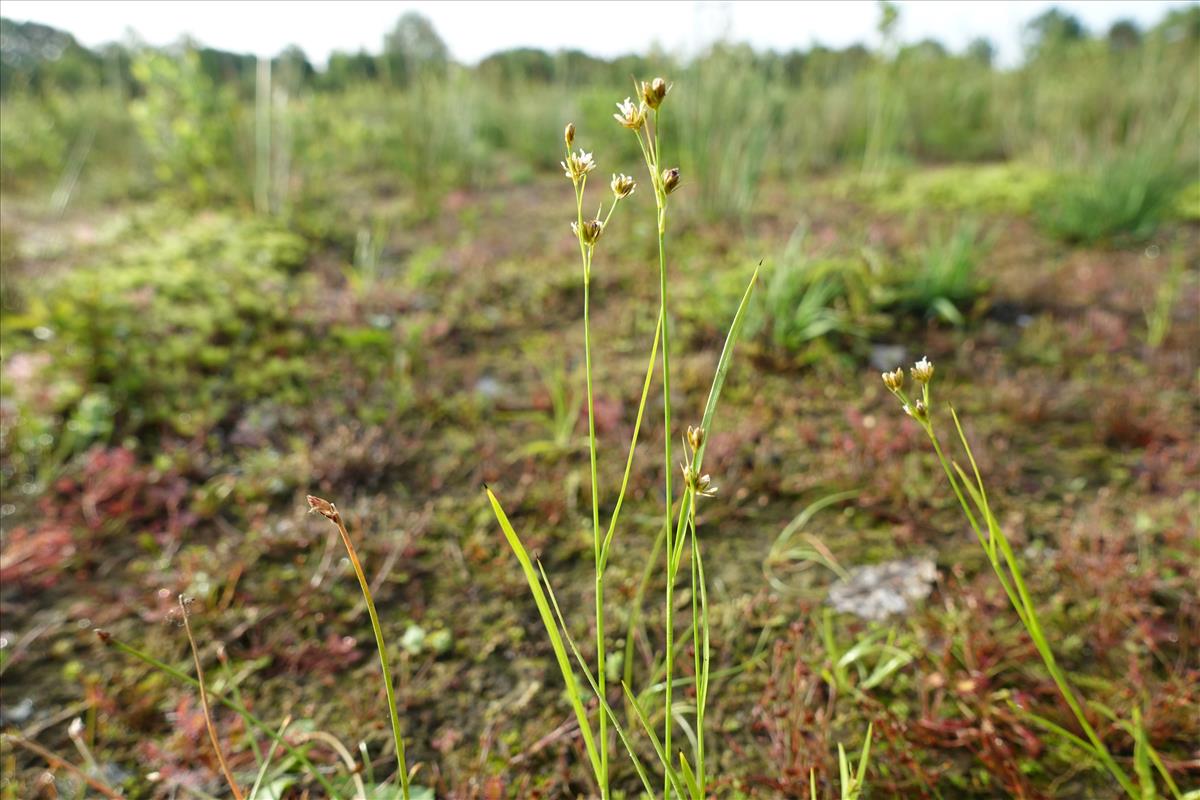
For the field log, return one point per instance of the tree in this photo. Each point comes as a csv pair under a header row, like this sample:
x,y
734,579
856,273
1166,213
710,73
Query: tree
x,y
349,69
39,57
518,65
1051,31
1180,25
982,50
413,48
293,67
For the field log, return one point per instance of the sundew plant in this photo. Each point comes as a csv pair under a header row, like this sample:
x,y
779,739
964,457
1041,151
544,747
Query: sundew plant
x,y
684,773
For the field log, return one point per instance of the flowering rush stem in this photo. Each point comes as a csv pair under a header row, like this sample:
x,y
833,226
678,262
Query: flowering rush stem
x,y
587,232
330,512
1000,554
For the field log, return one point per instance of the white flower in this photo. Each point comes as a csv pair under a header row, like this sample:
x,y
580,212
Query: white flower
x,y
578,164
631,116
922,371
623,185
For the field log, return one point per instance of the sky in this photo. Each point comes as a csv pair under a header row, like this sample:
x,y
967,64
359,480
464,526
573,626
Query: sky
x,y
474,29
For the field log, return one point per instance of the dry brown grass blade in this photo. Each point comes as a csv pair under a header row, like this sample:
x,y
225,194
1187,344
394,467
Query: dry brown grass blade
x,y
212,729
56,762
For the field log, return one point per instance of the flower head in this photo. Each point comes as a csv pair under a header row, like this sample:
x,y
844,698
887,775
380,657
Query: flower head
x,y
654,92
589,232
894,381
670,179
623,186
922,371
917,411
701,485
569,134
578,164
695,438
323,507
629,115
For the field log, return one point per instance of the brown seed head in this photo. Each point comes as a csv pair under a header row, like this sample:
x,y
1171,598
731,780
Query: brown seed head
x,y
670,179
104,636
695,438
654,92
590,232
569,134
324,508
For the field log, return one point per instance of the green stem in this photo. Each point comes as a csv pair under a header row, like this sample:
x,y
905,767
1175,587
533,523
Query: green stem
x,y
1022,603
699,643
1034,626
668,467
596,534
639,601
381,646
637,427
984,543
652,162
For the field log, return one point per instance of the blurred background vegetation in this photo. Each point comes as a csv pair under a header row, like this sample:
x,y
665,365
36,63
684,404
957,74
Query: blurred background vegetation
x,y
1105,111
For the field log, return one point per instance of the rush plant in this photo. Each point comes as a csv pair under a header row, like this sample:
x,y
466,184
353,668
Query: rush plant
x,y
683,776
972,496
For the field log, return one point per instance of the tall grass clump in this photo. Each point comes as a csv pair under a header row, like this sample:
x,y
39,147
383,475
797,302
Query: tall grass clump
x,y
728,159
683,776
1120,198
972,496
883,131
807,299
943,280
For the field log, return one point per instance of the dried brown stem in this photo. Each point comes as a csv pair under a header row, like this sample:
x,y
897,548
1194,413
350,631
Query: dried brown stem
x,y
208,721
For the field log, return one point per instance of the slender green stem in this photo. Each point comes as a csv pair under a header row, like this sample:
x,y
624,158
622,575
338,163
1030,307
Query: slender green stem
x,y
985,543
639,598
585,254
1034,626
596,532
637,426
699,642
667,502
381,646
668,467
1022,602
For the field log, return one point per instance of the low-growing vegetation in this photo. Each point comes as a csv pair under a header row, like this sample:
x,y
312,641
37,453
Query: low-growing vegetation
x,y
606,505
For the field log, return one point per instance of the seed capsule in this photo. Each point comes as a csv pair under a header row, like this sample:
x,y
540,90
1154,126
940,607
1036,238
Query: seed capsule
x,y
670,179
654,92
590,232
